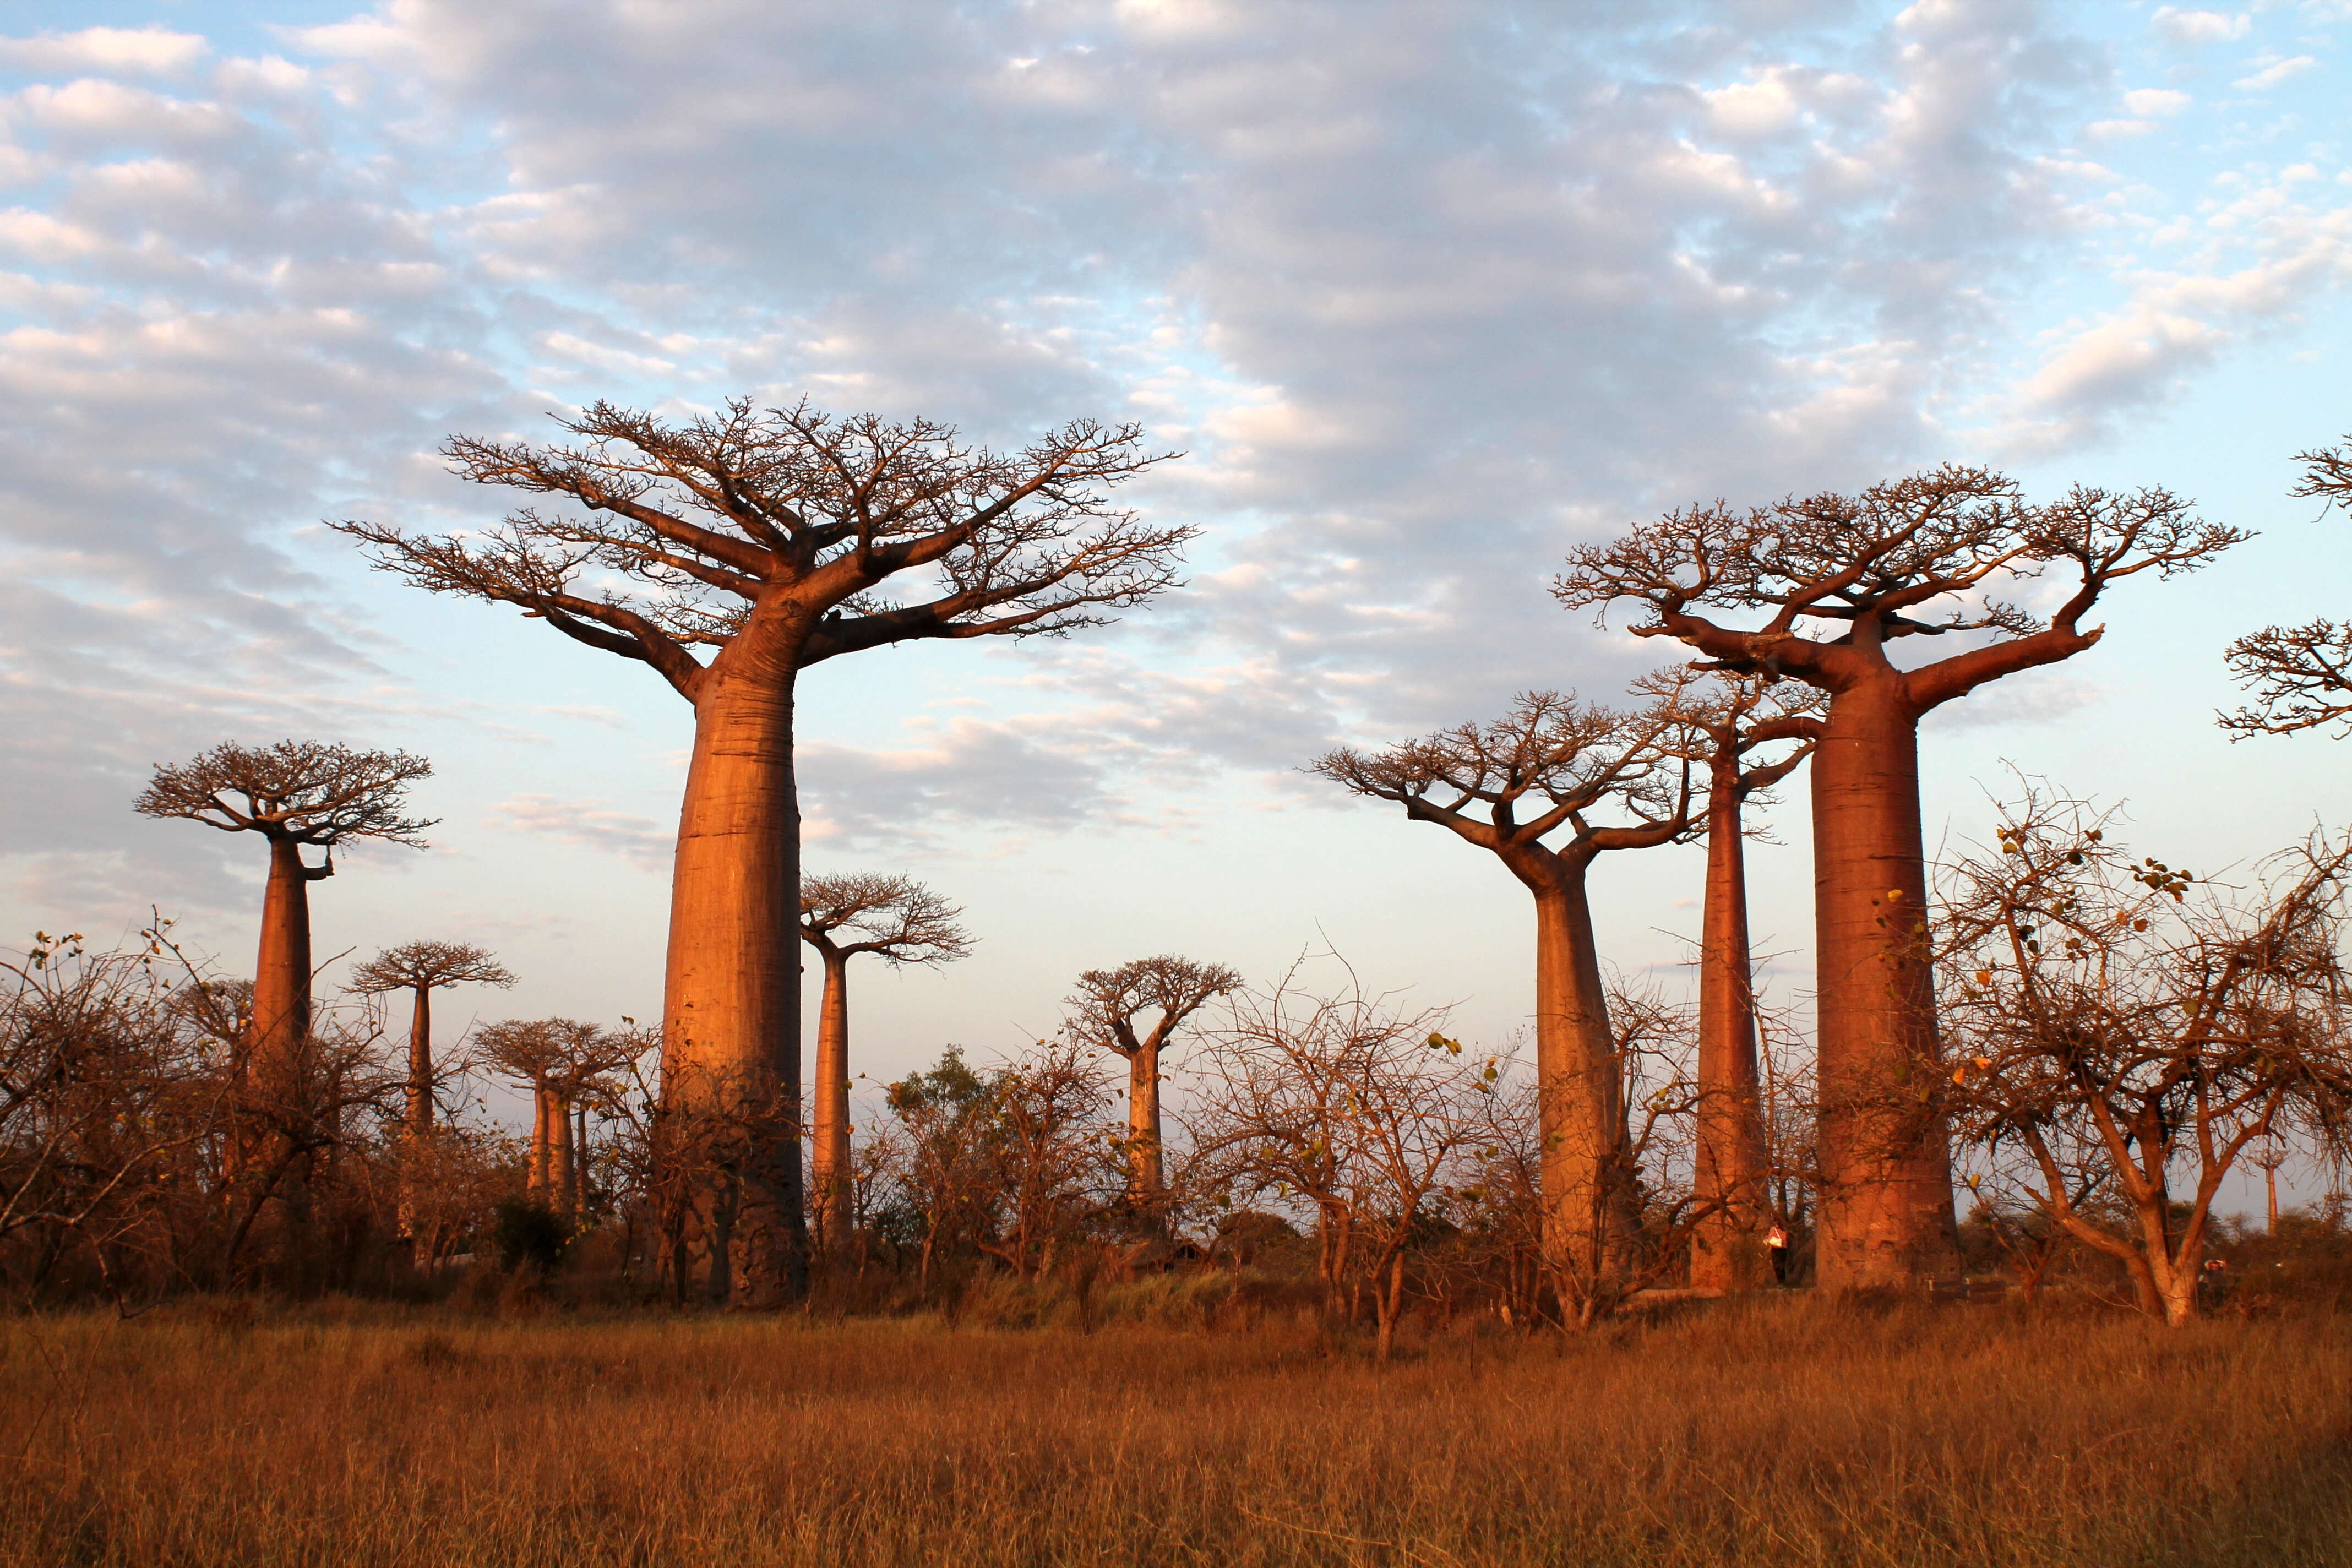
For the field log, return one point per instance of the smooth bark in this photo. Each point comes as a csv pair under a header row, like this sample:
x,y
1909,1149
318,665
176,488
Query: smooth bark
x,y
1145,1161
281,972
1731,1164
829,1168
420,1064
1588,1198
731,1023
1886,1213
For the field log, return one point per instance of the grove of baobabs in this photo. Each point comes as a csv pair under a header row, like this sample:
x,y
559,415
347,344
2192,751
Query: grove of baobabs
x,y
1684,454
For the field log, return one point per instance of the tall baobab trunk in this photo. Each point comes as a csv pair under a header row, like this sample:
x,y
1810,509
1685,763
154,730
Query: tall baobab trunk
x,y
537,1186
829,1132
280,1027
731,1003
278,1040
1885,1214
420,1064
1147,1171
563,1169
1587,1204
1731,1167
417,1123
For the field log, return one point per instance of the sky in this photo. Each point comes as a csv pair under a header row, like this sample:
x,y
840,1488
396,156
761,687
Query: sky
x,y
1427,292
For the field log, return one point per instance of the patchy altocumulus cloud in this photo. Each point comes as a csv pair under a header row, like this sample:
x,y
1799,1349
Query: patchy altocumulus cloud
x,y
1427,292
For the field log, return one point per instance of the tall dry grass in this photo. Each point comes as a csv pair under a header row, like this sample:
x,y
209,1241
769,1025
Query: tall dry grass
x,y
1784,1432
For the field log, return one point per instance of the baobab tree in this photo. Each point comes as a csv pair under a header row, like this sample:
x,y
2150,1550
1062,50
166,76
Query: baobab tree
x,y
559,1059
1105,1015
2301,675
764,538
900,921
1838,581
293,793
1729,718
422,968
1560,762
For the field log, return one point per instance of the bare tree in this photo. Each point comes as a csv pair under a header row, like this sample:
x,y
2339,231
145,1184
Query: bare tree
x,y
293,793
765,537
1046,1146
1558,761
1839,580
2112,1028
1105,1015
422,968
2301,675
1348,1103
1731,716
901,921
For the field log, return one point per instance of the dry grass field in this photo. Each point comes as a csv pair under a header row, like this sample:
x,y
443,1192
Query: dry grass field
x,y
1784,1432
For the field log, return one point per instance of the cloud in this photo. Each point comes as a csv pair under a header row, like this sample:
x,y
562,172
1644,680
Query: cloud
x,y
1427,292
591,824
2200,26
146,51
2274,72
2157,100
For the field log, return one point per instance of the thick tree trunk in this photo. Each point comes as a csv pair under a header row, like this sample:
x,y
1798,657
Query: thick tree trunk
x,y
1587,1208
1725,1250
420,1064
1145,1173
730,1034
563,1195
536,1184
1885,1215
829,1131
280,1028
277,1050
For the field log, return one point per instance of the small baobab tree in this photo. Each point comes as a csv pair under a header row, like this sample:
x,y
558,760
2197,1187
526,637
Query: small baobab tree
x,y
2132,1036
727,553
2301,677
421,968
560,1059
900,921
1731,716
1106,1014
1554,763
293,793
1836,583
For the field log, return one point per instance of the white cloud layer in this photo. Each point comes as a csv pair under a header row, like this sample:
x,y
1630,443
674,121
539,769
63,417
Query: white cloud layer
x,y
1427,290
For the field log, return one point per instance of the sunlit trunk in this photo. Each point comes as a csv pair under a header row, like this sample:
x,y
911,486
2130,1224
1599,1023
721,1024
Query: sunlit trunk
x,y
563,1195
1587,1213
280,1028
731,1006
1145,1170
1885,1214
278,1043
829,1131
536,1184
1731,1168
420,1064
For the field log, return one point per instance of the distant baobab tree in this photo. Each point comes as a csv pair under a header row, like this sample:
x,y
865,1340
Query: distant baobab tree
x,y
422,968
293,793
1837,581
765,538
1553,764
561,1061
1731,716
901,921
2301,675
1106,1014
